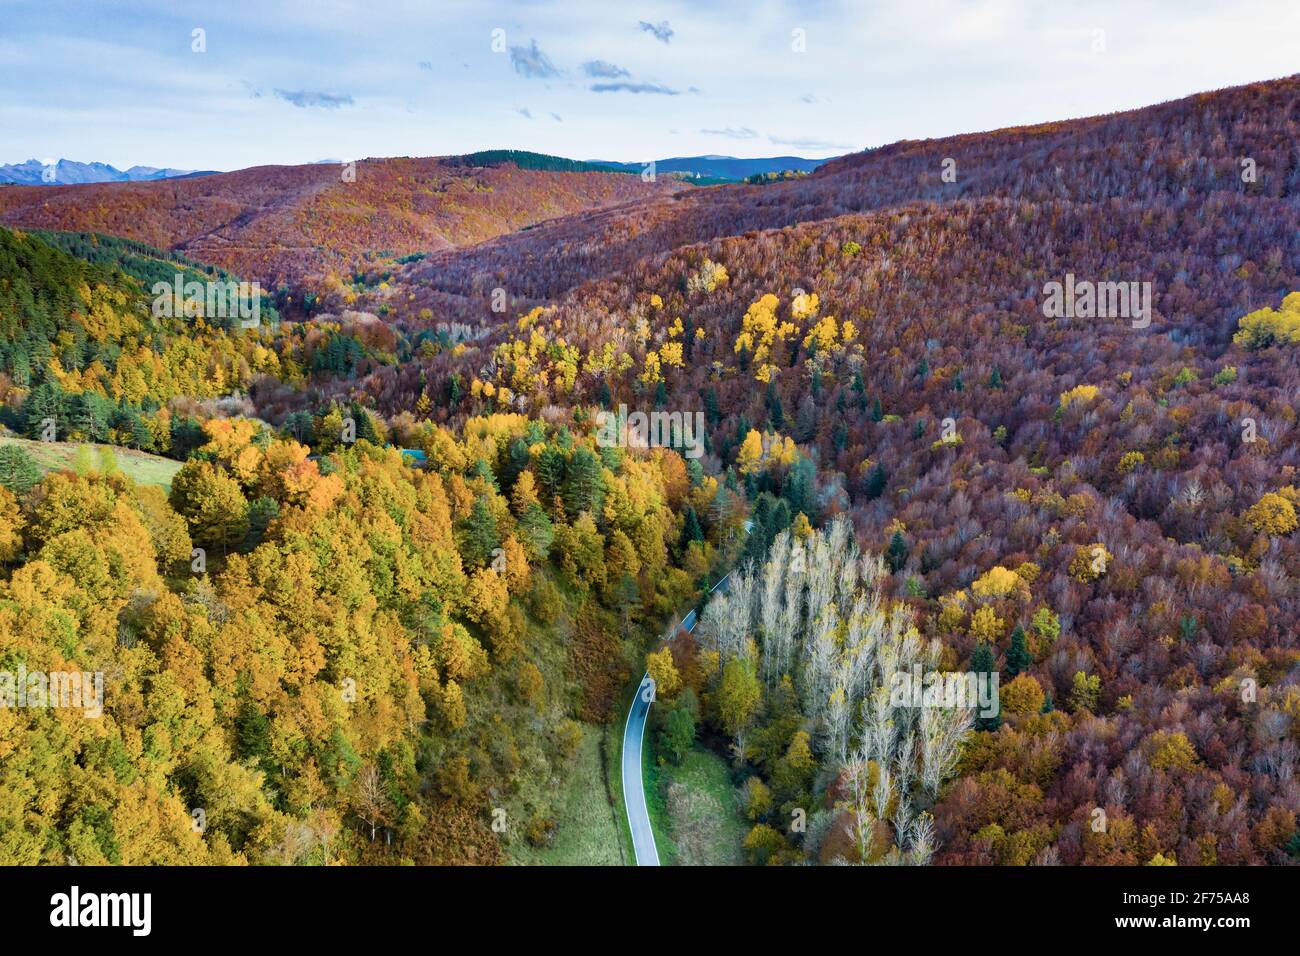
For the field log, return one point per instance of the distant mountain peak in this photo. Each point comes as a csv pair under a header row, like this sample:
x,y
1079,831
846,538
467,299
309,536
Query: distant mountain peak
x,y
67,172
714,166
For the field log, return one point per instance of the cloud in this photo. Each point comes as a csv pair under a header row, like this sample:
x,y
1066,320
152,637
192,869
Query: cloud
x,y
426,65
305,99
557,117
806,142
531,62
524,112
743,133
810,98
661,30
602,70
623,87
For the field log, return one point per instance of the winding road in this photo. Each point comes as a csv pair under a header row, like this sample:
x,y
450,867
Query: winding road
x,y
638,816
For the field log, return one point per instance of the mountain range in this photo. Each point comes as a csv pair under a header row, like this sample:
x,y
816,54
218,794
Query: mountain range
x,y
721,167
67,172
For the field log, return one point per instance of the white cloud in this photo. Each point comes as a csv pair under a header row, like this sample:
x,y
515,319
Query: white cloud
x,y
305,99
532,62
660,31
743,133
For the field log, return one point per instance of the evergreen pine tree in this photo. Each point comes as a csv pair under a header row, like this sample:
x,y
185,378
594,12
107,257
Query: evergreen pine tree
x,y
18,469
584,487
479,536
876,481
896,556
983,661
483,470
711,406
691,530
775,411
840,435
1018,659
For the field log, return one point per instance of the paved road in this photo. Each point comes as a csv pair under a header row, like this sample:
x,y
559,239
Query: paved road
x,y
638,817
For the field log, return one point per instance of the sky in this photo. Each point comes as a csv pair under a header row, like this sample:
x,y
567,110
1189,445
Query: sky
x,y
226,85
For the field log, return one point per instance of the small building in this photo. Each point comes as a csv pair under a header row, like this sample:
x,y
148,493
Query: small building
x,y
414,457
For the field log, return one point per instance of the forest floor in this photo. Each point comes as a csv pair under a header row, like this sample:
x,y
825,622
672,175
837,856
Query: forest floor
x,y
141,467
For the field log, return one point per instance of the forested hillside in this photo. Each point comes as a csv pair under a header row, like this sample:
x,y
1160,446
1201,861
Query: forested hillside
x,y
333,655
1190,150
1137,480
313,226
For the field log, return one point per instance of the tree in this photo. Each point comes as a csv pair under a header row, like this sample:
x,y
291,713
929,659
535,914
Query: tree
x,y
1023,695
897,555
45,403
584,487
261,512
369,800
678,734
750,457
18,469
535,530
82,462
1272,515
1047,626
550,466
662,671
763,843
11,527
997,582
108,461
212,503
739,694
985,625
1084,691
1172,751
479,537
691,530
1018,657
983,661
876,481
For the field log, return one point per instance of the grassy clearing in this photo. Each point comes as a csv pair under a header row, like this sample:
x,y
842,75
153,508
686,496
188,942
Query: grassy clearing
x,y
588,831
701,810
141,467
